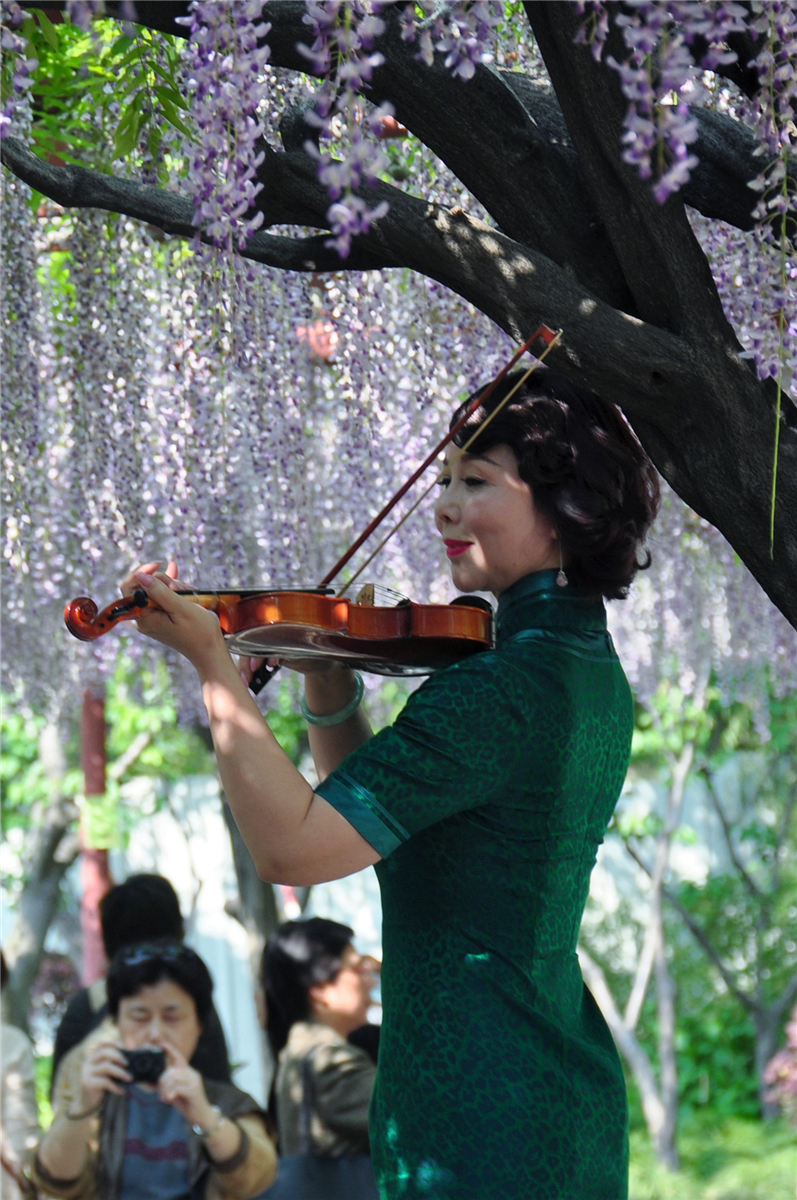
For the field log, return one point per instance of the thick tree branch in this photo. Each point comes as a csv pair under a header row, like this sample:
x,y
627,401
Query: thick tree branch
x,y
497,136
662,263
78,187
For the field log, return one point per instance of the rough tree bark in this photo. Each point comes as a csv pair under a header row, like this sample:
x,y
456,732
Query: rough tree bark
x,y
580,244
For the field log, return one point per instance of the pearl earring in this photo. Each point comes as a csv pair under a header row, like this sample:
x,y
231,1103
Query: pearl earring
x,y
561,578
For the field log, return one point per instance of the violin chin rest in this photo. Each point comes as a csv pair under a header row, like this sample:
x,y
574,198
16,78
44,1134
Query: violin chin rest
x,y
473,602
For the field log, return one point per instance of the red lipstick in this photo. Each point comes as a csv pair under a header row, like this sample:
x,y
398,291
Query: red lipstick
x,y
454,548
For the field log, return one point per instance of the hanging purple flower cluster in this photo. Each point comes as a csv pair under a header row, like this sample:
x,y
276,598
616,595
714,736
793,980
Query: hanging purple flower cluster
x,y
82,12
225,65
464,32
15,115
663,83
758,290
774,109
697,611
344,33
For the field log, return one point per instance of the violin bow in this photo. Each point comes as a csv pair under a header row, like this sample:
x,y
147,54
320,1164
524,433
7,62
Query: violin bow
x,y
551,339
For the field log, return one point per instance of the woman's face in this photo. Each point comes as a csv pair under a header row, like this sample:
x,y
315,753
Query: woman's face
x,y
163,1009
343,1002
492,530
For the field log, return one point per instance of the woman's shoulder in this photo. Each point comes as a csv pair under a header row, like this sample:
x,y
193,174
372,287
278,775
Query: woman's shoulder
x,y
322,1048
306,1037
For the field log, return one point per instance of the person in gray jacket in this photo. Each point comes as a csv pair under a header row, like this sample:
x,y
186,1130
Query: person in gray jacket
x,y
317,990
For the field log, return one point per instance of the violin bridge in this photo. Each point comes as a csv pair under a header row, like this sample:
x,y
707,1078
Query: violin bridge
x,y
365,596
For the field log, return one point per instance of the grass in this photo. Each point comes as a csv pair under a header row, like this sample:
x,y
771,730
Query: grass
x,y
732,1160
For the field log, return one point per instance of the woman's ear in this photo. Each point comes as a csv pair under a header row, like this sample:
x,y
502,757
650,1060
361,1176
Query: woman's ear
x,y
317,995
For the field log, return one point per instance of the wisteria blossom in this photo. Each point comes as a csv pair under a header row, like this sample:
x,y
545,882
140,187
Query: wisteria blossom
x,y
343,35
250,421
225,63
15,114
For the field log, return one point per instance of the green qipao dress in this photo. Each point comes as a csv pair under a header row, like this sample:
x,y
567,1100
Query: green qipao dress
x,y
487,799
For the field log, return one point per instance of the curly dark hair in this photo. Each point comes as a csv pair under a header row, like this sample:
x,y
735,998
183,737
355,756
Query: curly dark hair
x,y
298,955
588,473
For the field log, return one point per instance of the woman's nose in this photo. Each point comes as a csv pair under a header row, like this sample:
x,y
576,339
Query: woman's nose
x,y
446,511
154,1031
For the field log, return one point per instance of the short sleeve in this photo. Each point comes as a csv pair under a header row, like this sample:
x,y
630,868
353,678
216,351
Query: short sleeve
x,y
451,749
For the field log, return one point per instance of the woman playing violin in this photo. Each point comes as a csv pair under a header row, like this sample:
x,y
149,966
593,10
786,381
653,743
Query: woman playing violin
x,y
482,809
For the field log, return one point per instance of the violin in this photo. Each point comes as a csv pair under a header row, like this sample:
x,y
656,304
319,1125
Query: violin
x,y
399,639
402,638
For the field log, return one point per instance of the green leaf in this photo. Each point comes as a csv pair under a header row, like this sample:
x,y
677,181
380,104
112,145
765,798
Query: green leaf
x,y
47,28
171,116
127,137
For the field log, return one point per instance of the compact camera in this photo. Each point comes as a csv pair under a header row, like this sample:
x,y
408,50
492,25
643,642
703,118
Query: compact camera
x,y
146,1066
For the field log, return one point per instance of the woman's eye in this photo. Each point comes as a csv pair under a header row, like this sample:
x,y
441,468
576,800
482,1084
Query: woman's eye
x,y
473,481
444,481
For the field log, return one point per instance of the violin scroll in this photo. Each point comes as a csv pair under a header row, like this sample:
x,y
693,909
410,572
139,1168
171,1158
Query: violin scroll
x,y
85,622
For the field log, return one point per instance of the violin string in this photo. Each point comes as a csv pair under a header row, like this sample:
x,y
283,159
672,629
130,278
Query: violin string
x,y
460,452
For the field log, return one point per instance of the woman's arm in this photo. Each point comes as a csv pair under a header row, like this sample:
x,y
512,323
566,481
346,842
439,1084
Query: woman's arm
x,y
238,1180
293,835
64,1151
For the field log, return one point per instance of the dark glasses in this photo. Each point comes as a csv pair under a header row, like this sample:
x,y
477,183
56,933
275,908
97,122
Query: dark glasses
x,y
147,951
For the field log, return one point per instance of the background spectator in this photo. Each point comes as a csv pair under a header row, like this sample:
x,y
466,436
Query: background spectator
x,y
143,908
317,990
118,1132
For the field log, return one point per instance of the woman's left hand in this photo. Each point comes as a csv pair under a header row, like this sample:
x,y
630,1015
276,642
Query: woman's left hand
x,y
184,1087
177,622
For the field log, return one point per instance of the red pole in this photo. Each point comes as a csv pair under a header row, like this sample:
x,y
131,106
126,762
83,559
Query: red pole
x,y
94,874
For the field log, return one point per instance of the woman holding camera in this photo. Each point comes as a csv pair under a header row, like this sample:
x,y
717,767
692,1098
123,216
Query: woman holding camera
x,y
132,1118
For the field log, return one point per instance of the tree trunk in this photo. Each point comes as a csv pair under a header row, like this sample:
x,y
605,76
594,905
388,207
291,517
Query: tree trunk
x,y
630,1047
257,908
666,1150
50,852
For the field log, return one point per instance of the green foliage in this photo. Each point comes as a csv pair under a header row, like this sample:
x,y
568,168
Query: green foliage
x,y
675,719
720,1160
715,1044
23,783
287,725
750,922
139,704
98,96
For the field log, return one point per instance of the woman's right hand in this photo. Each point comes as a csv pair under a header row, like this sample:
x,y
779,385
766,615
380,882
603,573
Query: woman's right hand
x,y
104,1070
247,667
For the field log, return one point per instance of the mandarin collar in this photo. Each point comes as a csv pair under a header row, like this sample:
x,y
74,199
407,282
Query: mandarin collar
x,y
537,602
